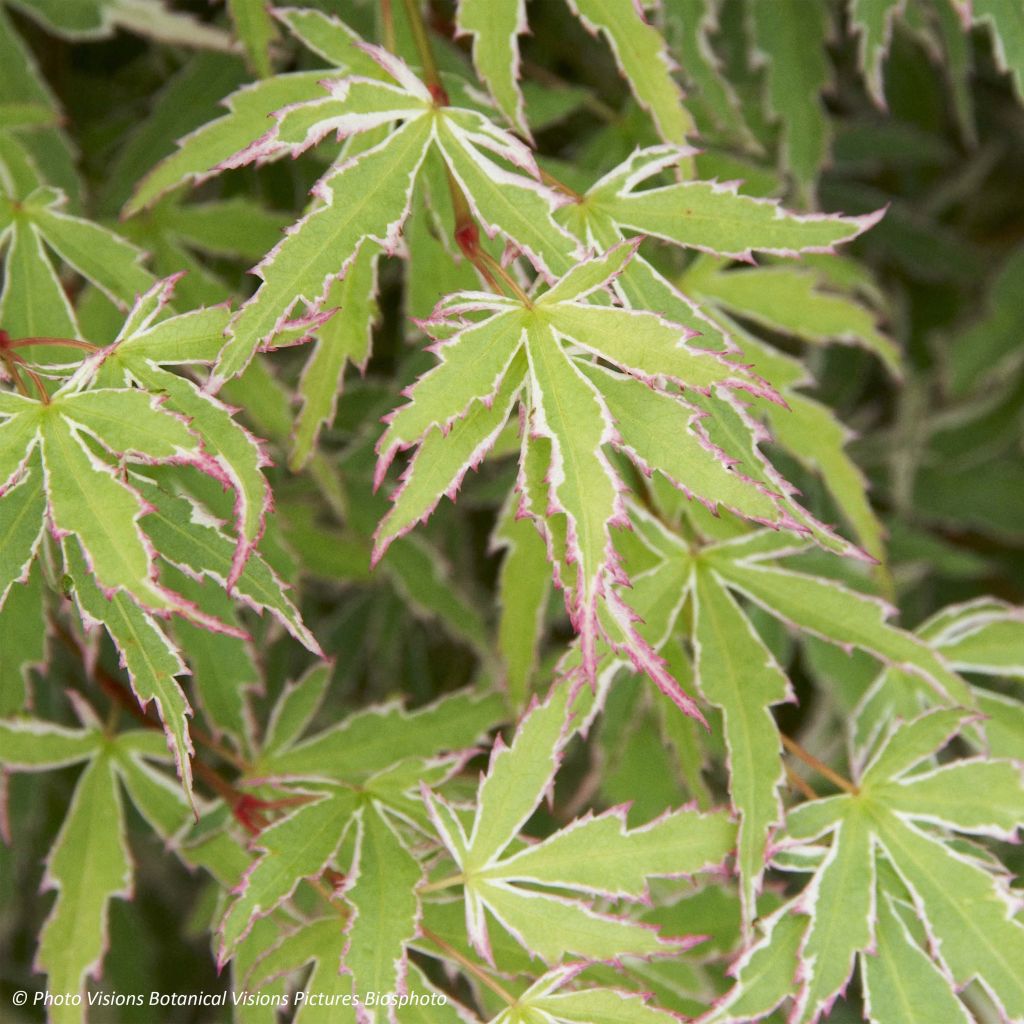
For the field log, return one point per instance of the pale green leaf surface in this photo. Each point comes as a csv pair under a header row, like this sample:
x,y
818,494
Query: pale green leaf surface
x,y
343,339
793,301
255,29
765,974
296,847
842,897
569,411
192,544
715,218
643,59
737,673
200,153
513,204
30,744
964,910
495,28
22,519
873,21
444,457
322,245
88,866
832,611
600,855
23,640
386,906
516,780
370,740
550,928
149,657
902,983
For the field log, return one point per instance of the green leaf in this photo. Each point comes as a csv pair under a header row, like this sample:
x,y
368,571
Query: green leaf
x,y
33,304
30,744
178,529
586,857
99,255
843,889
827,609
22,518
765,973
368,740
88,866
965,910
790,37
343,339
149,657
587,1006
323,244
569,411
386,906
255,29
495,29
201,153
599,855
711,216
523,588
643,60
513,204
296,847
23,639
873,21
902,983
796,302
1006,22
444,457
737,673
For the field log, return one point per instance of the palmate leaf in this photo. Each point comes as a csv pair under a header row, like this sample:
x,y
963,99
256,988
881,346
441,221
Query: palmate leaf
x,y
550,1000
322,247
140,354
517,352
967,912
706,215
84,494
86,866
812,603
592,856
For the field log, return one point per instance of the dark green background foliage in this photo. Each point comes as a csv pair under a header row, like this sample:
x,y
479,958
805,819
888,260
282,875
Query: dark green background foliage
x,y
932,130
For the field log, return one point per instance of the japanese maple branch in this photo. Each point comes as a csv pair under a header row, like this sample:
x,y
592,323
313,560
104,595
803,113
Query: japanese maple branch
x,y
819,766
467,233
481,975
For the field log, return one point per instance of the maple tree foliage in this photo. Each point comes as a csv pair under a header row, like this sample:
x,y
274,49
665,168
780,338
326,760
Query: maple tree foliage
x,y
549,300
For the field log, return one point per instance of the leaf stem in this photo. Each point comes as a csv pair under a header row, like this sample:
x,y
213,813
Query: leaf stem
x,y
443,883
819,766
422,40
387,17
800,783
478,972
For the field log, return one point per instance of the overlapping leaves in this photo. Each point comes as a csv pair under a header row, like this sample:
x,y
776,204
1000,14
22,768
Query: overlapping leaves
x,y
924,911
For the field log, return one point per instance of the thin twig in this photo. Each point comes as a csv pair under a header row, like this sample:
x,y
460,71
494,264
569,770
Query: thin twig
x,y
819,766
481,975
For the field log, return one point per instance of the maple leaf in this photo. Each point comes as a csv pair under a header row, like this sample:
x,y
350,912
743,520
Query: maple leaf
x,y
540,352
